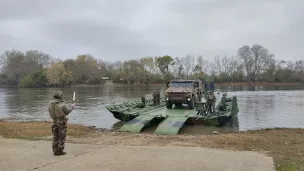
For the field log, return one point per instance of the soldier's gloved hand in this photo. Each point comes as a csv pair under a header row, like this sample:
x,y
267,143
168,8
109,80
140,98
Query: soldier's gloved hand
x,y
73,105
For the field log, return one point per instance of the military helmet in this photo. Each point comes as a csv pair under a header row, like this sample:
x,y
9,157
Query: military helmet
x,y
58,95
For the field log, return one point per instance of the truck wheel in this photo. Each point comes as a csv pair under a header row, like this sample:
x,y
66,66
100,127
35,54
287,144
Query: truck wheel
x,y
191,103
169,105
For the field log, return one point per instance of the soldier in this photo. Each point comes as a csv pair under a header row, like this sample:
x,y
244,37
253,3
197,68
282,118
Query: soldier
x,y
224,96
157,96
211,101
143,101
223,105
142,104
58,111
154,97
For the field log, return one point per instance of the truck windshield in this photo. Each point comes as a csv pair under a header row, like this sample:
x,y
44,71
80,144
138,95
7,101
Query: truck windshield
x,y
181,84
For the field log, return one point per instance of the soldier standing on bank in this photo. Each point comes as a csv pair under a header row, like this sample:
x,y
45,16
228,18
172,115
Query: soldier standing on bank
x,y
58,111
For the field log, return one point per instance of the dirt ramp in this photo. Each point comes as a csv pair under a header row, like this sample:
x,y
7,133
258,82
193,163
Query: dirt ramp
x,y
37,155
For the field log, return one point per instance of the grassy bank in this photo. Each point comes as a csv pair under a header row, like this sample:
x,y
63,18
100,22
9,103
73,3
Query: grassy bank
x,y
286,146
37,130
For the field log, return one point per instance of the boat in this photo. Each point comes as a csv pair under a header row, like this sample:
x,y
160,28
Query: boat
x,y
144,112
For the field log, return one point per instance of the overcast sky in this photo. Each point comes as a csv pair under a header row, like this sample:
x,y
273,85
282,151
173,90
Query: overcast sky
x,y
129,29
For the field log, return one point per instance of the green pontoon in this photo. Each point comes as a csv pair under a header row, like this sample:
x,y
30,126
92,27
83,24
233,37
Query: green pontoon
x,y
141,113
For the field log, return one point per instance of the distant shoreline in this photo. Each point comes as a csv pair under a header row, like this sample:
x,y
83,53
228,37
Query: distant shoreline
x,y
259,84
164,84
216,84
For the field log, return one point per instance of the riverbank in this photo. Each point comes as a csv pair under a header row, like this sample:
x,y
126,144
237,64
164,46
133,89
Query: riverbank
x,y
286,146
259,84
216,84
164,84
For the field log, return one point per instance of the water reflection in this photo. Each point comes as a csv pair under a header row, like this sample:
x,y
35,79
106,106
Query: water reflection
x,y
259,107
256,108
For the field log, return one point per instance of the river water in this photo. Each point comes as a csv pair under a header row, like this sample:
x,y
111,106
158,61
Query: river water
x,y
259,107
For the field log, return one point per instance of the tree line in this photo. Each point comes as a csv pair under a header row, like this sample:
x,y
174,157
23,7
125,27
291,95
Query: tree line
x,y
34,68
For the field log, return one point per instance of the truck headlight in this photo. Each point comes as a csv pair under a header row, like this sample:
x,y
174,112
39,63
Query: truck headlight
x,y
188,96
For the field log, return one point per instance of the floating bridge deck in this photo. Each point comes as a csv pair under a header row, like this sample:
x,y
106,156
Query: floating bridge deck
x,y
173,120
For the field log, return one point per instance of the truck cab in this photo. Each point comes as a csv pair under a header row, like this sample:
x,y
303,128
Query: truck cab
x,y
183,92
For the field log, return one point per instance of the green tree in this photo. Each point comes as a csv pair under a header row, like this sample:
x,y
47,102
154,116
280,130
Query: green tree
x,y
59,75
86,68
149,64
38,79
133,72
163,64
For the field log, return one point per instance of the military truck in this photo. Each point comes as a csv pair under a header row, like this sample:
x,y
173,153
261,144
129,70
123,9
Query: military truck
x,y
183,92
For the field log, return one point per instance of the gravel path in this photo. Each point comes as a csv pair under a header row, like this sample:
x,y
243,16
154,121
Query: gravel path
x,y
37,155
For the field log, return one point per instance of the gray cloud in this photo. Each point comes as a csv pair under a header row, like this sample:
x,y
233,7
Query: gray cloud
x,y
118,30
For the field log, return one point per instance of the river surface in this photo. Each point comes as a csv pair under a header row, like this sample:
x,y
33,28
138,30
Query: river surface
x,y
259,107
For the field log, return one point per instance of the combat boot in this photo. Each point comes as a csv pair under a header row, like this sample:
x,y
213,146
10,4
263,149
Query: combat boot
x,y
61,153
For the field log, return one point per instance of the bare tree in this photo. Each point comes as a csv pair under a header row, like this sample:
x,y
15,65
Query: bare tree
x,y
41,58
225,66
202,64
213,69
255,60
14,66
178,68
188,63
218,64
237,71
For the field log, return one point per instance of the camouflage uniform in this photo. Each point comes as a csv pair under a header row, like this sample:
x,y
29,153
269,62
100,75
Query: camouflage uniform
x,y
154,95
58,111
211,101
157,97
143,103
223,105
